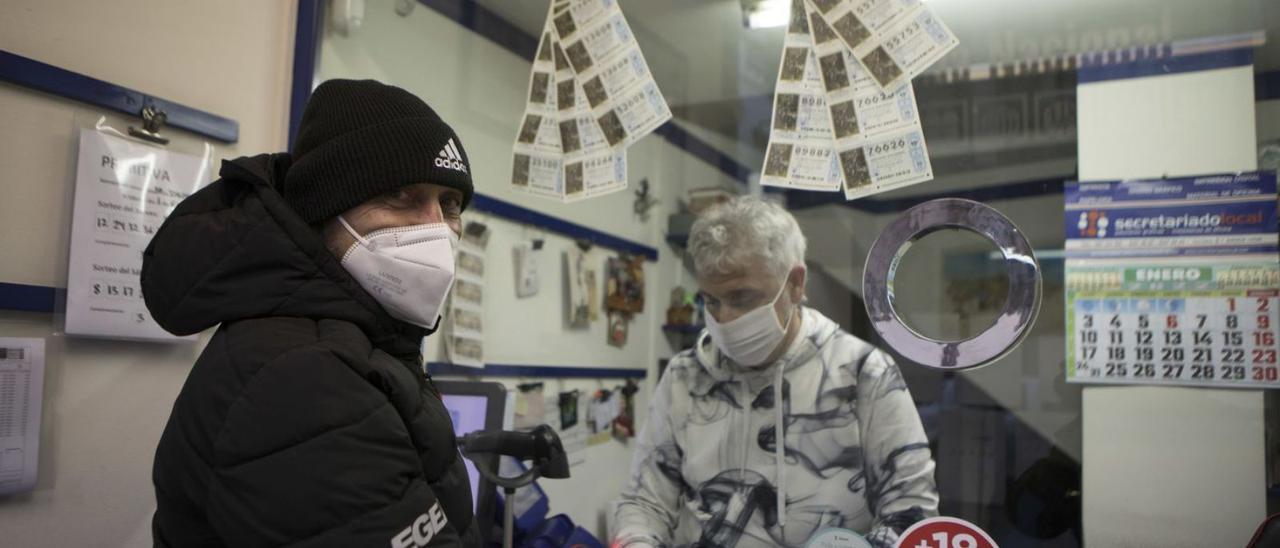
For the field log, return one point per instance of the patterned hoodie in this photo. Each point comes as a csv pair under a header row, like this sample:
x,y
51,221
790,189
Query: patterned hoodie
x,y
706,470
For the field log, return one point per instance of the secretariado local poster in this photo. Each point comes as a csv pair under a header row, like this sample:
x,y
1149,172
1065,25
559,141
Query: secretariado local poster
x,y
124,191
1173,281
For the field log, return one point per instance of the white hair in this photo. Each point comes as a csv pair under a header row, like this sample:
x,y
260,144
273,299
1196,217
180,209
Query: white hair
x,y
728,237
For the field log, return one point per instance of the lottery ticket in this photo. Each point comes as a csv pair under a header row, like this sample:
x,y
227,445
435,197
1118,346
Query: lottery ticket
x,y
538,173
465,350
801,151
860,21
614,77
859,109
591,95
591,166
571,16
464,316
633,116
467,319
538,127
894,40
611,70
878,141
800,166
595,175
566,90
604,38
885,162
537,164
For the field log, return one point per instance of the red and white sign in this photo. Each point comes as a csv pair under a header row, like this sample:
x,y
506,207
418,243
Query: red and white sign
x,y
943,532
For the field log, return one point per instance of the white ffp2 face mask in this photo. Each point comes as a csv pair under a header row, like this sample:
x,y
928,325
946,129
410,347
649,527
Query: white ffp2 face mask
x,y
750,338
409,270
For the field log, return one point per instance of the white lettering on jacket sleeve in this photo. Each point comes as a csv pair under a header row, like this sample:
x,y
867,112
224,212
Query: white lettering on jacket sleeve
x,y
424,528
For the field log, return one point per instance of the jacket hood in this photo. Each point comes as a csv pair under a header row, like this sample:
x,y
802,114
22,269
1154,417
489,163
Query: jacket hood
x,y
235,250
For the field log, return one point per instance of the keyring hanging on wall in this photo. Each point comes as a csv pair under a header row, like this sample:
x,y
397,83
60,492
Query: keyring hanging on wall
x,y
1021,305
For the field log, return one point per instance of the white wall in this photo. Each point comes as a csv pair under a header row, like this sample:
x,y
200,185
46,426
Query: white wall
x,y
1169,466
480,89
106,402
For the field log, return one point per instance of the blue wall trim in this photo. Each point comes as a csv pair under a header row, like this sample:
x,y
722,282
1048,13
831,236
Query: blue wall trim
x,y
1093,69
554,371
27,298
493,27
36,298
682,139
47,78
576,231
306,43
484,22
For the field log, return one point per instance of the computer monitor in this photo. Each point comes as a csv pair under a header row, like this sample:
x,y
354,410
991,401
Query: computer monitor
x,y
476,406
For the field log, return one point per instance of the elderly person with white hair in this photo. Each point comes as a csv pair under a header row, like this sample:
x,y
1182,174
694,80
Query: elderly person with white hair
x,y
709,469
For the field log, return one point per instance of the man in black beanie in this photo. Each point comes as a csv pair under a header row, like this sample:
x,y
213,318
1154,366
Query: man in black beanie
x,y
307,420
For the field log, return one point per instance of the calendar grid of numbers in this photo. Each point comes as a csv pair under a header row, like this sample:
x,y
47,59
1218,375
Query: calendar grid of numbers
x,y
1173,281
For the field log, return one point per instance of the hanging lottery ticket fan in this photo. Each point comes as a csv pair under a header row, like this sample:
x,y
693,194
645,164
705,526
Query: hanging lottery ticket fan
x,y
894,40
838,124
591,95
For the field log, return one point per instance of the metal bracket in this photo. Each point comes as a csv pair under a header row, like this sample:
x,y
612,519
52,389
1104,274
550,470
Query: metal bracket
x,y
153,119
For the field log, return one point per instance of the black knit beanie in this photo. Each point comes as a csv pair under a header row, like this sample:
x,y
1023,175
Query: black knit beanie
x,y
362,138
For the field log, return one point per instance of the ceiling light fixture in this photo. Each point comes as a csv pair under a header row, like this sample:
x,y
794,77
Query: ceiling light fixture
x,y
763,14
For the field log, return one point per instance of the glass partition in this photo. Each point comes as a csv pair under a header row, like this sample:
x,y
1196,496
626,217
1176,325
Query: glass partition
x,y
1037,96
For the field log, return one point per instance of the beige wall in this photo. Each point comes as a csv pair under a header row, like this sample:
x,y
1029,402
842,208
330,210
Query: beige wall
x,y
106,402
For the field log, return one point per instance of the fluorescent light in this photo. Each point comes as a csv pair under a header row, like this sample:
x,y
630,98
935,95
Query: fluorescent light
x,y
761,14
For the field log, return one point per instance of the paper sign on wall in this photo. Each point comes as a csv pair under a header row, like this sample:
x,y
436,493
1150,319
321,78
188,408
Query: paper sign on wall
x,y
568,423
124,191
21,394
464,319
526,269
577,297
1173,281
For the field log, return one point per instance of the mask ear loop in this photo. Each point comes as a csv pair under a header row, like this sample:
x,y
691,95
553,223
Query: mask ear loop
x,y
352,231
790,314
360,240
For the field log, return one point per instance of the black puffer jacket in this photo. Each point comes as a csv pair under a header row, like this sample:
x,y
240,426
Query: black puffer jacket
x,y
306,421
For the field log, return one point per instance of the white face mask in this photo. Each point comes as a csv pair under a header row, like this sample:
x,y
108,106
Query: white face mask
x,y
408,269
750,338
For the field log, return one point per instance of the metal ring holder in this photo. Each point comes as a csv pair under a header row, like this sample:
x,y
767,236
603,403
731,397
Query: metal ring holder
x,y
1021,306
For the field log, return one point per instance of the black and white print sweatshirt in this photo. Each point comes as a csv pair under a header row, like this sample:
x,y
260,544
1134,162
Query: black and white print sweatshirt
x,y
707,471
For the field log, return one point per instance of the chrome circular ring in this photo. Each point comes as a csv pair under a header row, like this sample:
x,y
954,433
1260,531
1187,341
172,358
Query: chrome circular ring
x,y
1021,306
